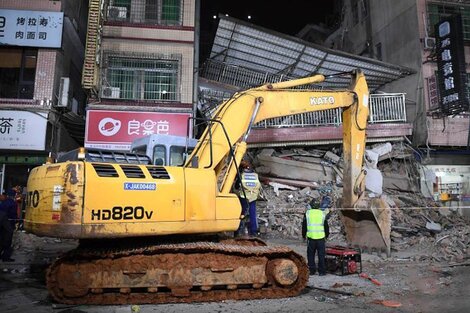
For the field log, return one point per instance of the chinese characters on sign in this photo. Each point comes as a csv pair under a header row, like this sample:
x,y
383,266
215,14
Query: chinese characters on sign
x,y
31,28
22,130
451,66
117,129
5,125
148,127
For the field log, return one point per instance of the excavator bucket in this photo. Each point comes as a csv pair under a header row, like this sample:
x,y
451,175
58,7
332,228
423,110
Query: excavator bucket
x,y
368,225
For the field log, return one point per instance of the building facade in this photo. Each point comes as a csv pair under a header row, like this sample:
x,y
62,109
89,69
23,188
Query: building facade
x,y
432,37
42,104
139,70
403,32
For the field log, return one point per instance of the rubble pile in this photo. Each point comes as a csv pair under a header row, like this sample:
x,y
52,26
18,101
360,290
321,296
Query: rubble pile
x,y
419,224
435,234
281,211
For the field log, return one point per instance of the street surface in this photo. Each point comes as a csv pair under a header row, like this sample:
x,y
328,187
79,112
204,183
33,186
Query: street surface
x,y
413,286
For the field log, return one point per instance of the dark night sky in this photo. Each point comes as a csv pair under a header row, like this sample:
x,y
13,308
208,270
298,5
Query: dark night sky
x,y
288,18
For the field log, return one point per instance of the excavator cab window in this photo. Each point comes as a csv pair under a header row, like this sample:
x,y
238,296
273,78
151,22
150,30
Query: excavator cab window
x,y
159,155
178,155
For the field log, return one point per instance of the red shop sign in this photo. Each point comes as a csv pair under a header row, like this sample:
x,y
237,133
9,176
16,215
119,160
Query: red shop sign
x,y
117,129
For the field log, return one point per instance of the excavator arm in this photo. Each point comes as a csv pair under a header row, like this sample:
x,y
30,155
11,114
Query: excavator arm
x,y
235,118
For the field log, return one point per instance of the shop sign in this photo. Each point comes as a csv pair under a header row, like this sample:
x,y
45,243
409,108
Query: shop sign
x,y
23,130
31,28
452,76
115,130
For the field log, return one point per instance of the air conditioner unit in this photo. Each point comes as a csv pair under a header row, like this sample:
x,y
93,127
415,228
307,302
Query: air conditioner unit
x,y
429,43
64,87
117,12
111,92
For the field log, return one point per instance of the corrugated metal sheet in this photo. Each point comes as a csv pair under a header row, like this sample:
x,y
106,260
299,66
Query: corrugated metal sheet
x,y
244,44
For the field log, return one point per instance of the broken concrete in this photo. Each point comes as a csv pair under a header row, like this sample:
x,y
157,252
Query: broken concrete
x,y
292,169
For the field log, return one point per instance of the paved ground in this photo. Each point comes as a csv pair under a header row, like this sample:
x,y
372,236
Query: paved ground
x,y
417,287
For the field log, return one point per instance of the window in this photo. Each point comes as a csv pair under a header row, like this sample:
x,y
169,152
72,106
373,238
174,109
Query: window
x,y
438,11
17,72
156,12
171,12
119,10
178,155
141,79
159,155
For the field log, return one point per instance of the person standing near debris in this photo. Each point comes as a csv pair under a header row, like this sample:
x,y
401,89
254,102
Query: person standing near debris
x,y
316,230
8,217
248,194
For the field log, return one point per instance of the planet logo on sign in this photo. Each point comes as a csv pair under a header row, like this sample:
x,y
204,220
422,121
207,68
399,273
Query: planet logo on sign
x,y
109,126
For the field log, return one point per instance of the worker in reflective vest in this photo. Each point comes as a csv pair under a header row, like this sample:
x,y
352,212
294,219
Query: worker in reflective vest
x,y
248,193
315,229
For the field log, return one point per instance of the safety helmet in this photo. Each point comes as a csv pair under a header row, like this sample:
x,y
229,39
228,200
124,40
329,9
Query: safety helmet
x,y
325,202
244,164
314,204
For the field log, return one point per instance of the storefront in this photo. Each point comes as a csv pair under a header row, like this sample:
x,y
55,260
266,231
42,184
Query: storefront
x,y
22,145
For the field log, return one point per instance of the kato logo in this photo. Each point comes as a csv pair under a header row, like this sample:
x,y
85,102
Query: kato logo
x,y
121,213
322,100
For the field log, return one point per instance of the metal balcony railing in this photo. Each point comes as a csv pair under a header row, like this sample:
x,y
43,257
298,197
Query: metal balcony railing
x,y
383,108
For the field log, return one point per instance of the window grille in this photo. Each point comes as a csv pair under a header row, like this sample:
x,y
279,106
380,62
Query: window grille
x,y
438,11
152,12
141,79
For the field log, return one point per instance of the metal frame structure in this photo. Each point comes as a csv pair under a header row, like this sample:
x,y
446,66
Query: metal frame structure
x,y
273,56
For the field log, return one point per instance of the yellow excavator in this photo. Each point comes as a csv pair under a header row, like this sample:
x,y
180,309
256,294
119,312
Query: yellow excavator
x,y
160,234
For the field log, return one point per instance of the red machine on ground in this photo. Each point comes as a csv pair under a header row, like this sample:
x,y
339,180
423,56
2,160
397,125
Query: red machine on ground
x,y
343,261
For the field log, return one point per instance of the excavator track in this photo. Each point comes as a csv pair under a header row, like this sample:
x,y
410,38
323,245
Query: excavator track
x,y
177,272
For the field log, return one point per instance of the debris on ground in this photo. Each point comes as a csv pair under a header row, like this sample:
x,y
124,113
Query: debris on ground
x,y
292,177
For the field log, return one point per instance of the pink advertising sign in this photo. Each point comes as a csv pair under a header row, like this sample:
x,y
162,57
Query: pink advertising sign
x,y
115,130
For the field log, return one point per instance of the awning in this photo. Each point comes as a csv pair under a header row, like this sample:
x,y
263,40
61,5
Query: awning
x,y
243,44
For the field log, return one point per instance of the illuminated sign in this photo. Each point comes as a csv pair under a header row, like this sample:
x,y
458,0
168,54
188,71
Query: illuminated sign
x,y
453,95
31,28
